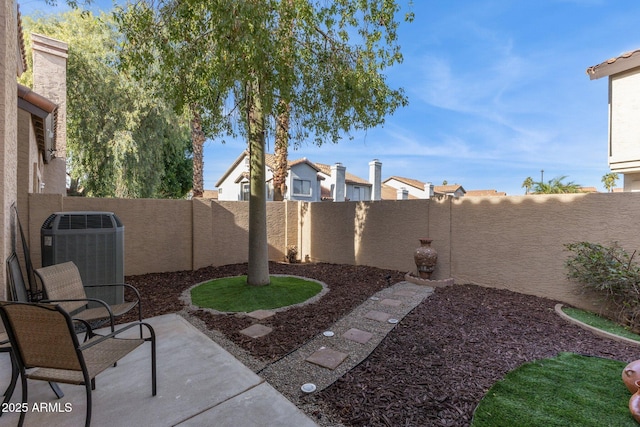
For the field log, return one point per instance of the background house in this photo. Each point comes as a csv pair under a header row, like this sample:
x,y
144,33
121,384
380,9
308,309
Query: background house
x,y
33,130
305,181
412,188
624,110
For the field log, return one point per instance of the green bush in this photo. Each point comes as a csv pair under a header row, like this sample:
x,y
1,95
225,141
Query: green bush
x,y
609,270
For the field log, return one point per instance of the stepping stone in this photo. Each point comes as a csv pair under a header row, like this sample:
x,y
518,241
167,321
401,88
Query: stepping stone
x,y
405,293
261,314
391,302
327,358
256,331
380,316
357,335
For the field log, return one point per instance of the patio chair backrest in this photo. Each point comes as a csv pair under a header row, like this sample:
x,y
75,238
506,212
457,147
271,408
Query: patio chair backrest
x,y
43,334
16,281
63,282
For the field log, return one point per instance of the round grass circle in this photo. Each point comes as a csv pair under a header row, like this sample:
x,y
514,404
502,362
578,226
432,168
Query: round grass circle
x,y
235,295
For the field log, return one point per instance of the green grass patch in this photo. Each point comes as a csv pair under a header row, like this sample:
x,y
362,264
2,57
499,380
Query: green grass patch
x,y
600,322
567,390
234,294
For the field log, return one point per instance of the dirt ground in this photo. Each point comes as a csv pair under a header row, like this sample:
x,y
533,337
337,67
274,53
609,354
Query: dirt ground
x,y
431,370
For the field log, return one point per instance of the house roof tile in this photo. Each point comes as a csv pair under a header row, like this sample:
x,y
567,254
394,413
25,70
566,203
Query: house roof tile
x,y
616,65
390,193
479,193
450,188
348,178
22,52
40,109
412,182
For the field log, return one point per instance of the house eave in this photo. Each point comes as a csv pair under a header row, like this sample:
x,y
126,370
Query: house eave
x,y
232,167
619,64
44,114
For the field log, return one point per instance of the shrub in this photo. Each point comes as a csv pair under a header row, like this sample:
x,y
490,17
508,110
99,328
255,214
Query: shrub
x,y
609,270
292,254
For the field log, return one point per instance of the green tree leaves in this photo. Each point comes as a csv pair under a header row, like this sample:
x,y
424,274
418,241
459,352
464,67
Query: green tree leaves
x,y
556,186
118,132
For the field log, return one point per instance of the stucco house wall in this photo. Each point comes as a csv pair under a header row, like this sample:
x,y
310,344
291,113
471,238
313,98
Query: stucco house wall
x,y
304,172
413,191
12,66
623,73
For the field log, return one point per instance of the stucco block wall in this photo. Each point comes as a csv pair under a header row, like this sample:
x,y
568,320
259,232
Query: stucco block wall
x,y
157,233
517,242
387,233
331,232
508,242
276,230
8,128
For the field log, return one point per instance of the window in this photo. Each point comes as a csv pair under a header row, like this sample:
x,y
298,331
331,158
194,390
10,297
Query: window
x,y
244,196
356,193
302,187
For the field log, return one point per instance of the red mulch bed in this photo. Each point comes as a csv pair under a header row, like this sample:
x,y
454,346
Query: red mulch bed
x,y
431,370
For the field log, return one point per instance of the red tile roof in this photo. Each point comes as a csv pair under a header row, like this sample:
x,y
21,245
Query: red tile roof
x,y
21,48
412,182
616,65
479,193
349,177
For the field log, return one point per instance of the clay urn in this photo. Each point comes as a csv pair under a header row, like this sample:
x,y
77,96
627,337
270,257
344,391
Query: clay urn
x,y
634,403
425,257
631,374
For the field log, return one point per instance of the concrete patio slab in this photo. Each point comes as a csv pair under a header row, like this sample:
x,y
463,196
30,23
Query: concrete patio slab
x,y
250,409
195,375
391,302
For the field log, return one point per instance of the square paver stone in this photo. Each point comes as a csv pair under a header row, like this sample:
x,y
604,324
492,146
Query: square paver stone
x,y
405,293
256,331
380,316
357,335
327,358
261,314
391,302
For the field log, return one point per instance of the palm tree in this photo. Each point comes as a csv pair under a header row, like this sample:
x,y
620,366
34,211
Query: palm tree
x,y
609,181
556,186
527,184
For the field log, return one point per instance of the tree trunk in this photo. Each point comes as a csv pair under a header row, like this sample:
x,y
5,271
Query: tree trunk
x,y
258,271
197,140
281,153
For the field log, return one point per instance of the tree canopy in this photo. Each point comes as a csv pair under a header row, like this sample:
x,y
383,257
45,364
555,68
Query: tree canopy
x,y
556,186
122,141
232,62
609,181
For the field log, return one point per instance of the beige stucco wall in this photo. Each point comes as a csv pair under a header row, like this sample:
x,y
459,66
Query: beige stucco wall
x,y
8,129
50,81
517,242
624,107
507,242
158,233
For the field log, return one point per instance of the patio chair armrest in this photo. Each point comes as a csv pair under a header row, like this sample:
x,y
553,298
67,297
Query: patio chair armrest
x,y
126,285
89,334
152,334
88,300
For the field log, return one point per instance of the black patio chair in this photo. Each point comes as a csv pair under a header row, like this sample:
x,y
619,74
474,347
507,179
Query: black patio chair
x,y
46,348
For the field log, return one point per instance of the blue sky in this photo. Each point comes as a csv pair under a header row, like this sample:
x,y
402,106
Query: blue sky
x,y
497,92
